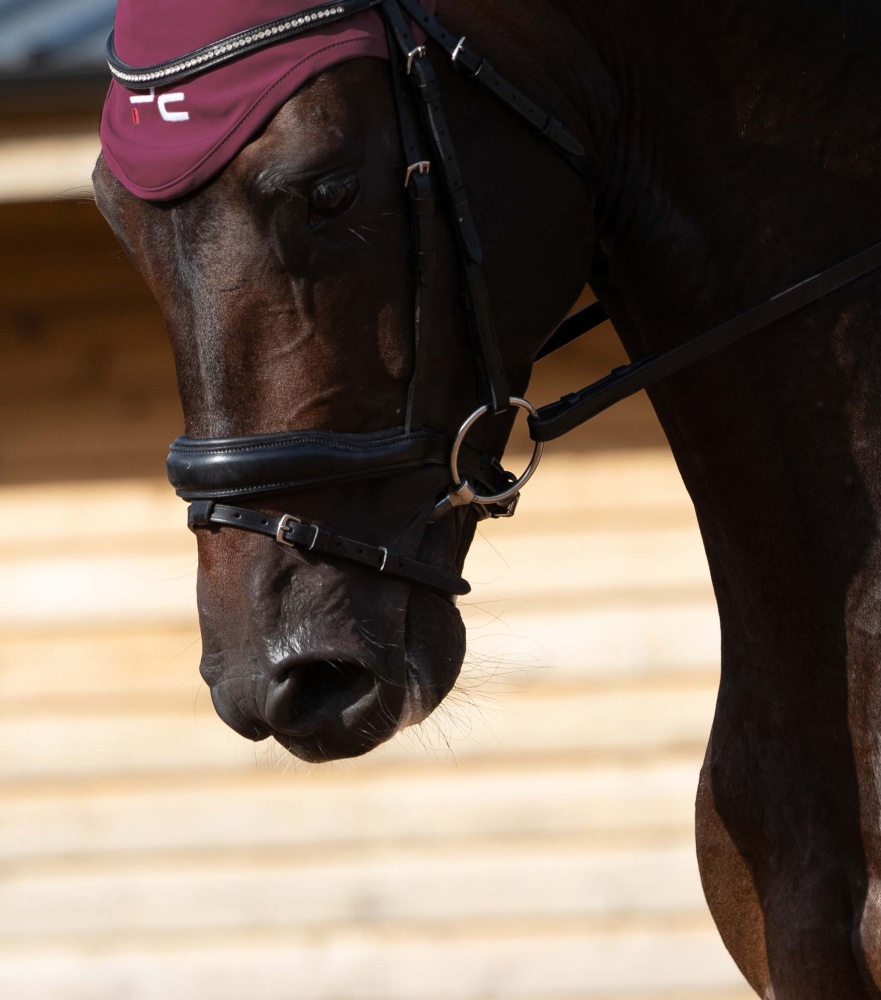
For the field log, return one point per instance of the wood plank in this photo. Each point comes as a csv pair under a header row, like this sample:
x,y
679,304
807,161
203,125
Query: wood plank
x,y
101,433
339,809
470,884
68,745
159,587
599,557
566,964
594,491
96,514
510,648
85,664
512,644
72,243
641,559
48,167
64,345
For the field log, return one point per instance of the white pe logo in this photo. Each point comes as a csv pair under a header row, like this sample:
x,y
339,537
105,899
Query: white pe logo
x,y
163,102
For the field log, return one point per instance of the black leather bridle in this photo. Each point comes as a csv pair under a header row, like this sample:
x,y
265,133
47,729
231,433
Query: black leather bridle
x,y
208,472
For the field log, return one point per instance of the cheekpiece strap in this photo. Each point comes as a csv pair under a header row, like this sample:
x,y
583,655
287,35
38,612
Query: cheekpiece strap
x,y
422,206
478,311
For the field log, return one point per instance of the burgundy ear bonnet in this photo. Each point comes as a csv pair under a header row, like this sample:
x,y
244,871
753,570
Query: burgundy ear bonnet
x,y
165,143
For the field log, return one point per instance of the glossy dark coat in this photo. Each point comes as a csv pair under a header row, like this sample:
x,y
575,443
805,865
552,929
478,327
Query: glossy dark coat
x,y
739,146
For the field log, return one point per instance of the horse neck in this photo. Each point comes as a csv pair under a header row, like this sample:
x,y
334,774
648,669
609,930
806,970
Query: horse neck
x,y
728,177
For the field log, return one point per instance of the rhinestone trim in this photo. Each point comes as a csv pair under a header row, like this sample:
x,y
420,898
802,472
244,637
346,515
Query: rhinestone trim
x,y
226,47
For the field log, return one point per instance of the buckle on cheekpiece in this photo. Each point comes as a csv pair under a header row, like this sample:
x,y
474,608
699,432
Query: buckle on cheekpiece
x,y
417,53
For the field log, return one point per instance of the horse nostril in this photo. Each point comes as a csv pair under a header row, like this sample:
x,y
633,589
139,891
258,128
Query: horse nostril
x,y
309,694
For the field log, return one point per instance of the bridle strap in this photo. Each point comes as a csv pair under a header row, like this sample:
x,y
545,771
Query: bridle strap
x,y
475,295
471,64
577,408
573,327
307,536
422,208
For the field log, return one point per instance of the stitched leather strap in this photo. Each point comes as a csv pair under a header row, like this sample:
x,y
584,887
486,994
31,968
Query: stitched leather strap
x,y
310,537
577,408
573,327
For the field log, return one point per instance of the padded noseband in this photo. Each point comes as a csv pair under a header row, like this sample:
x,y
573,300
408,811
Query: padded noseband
x,y
205,469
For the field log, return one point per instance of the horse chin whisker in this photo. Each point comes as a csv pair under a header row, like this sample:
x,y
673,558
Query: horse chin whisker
x,y
477,696
420,737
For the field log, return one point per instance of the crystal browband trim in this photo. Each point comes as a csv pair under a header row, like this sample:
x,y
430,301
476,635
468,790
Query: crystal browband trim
x,y
242,43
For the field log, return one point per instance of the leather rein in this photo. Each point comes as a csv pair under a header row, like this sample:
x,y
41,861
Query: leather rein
x,y
208,471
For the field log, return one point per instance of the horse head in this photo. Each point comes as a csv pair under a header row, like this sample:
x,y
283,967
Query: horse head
x,y
287,283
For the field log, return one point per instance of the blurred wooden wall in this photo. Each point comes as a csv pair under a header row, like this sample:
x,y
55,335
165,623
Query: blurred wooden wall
x,y
86,377
533,842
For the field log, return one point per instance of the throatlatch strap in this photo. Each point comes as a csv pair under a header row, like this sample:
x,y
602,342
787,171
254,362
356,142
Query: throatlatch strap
x,y
294,533
577,408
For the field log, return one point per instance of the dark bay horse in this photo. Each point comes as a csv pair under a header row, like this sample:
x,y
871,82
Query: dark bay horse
x,y
737,149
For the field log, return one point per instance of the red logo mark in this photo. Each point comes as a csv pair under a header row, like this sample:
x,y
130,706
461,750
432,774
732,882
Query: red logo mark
x,y
136,116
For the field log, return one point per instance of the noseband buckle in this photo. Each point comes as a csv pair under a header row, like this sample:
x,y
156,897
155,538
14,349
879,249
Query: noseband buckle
x,y
284,525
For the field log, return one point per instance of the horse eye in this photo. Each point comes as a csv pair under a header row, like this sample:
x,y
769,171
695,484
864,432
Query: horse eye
x,y
332,197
